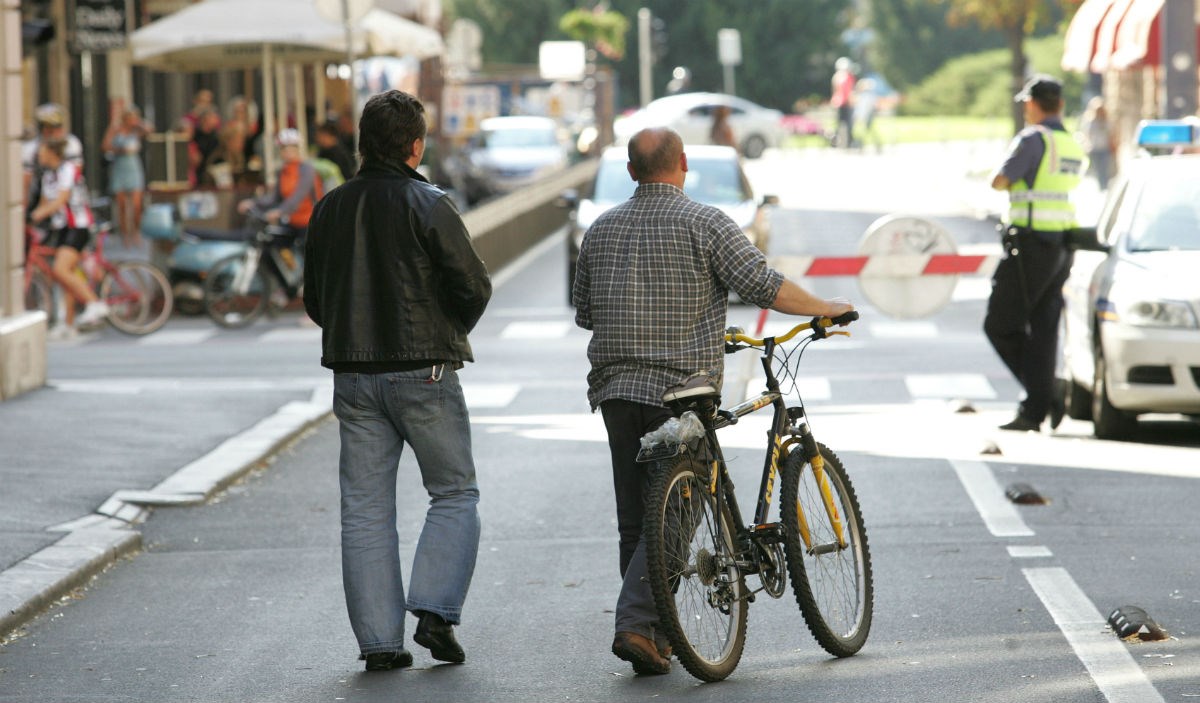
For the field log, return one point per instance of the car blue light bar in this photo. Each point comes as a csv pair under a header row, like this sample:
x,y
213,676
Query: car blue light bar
x,y
1167,133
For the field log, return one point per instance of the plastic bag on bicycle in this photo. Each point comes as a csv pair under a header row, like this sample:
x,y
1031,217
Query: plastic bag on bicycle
x,y
671,437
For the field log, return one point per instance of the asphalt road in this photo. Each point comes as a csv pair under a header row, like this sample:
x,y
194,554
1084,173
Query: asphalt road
x,y
976,599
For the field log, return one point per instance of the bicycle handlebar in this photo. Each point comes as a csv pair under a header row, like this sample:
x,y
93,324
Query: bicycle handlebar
x,y
819,325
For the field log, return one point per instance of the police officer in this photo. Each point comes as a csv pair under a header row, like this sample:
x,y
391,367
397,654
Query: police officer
x,y
1043,166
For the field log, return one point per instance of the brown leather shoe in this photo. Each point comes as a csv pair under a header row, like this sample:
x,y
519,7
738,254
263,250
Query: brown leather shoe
x,y
641,652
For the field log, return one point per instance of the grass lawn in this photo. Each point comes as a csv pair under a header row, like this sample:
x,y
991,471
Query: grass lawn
x,y
893,129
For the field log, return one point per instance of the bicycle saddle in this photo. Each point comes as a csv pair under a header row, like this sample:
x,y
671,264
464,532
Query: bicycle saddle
x,y
696,386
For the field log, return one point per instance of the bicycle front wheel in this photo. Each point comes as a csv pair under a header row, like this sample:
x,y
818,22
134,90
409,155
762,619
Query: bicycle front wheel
x,y
139,297
39,295
826,547
698,589
236,291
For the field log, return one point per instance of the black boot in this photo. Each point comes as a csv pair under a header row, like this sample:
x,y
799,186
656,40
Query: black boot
x,y
437,636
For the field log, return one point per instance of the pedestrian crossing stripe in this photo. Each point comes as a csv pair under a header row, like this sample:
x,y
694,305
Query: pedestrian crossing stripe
x,y
974,386
176,338
539,329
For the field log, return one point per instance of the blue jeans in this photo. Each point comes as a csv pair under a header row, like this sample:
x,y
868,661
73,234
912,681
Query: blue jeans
x,y
378,414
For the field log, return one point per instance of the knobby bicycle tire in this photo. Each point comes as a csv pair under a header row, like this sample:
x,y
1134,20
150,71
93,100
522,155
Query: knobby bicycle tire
x,y
231,308
833,584
139,297
698,591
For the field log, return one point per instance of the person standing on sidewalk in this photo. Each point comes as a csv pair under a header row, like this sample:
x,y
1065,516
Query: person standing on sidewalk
x,y
652,285
393,281
1044,164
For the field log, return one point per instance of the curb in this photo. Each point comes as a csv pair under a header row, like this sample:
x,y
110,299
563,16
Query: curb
x,y
96,541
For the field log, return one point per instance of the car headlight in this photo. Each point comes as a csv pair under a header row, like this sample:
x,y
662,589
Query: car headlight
x,y
1147,313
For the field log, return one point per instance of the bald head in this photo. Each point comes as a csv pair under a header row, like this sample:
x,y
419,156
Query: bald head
x,y
656,156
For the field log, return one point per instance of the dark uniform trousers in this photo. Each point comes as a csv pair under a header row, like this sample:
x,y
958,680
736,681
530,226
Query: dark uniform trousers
x,y
1023,313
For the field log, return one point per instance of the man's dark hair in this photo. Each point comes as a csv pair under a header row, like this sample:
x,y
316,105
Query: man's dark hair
x,y
654,151
389,125
329,128
1049,104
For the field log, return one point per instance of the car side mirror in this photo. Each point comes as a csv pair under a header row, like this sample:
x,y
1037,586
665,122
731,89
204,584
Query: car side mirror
x,y
568,199
770,200
1085,238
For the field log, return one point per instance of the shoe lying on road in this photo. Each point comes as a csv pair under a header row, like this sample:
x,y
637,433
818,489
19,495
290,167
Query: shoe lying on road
x,y
641,653
385,661
437,635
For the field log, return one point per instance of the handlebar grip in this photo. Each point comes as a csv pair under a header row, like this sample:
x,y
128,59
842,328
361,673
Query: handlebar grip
x,y
845,318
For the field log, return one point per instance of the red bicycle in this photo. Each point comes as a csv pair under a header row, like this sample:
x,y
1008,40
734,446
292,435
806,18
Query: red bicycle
x,y
137,293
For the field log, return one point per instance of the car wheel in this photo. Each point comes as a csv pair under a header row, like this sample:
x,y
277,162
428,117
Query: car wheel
x,y
754,146
1108,422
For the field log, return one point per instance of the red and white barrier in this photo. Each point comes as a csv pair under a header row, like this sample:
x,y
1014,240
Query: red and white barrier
x,y
891,266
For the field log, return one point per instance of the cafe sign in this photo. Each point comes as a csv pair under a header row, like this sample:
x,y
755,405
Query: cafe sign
x,y
100,26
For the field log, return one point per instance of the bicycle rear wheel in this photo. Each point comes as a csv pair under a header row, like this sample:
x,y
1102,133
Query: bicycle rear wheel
x,y
831,577
139,297
698,590
236,291
39,295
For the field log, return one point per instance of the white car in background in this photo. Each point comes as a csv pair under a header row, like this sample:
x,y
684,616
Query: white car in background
x,y
715,177
755,128
1131,342
511,152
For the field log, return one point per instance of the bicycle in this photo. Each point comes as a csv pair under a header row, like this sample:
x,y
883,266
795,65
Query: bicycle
x,y
698,552
239,288
137,293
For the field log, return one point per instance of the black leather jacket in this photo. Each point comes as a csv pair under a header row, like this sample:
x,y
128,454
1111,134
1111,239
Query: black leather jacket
x,y
390,274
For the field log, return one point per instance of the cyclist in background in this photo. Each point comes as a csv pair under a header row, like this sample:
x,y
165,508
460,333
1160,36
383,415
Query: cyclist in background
x,y
64,204
297,188
51,124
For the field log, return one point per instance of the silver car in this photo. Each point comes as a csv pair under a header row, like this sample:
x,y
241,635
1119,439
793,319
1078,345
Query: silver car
x,y
715,177
1131,340
755,128
510,153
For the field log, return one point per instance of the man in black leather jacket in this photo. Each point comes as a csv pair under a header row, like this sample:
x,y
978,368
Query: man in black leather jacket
x,y
391,277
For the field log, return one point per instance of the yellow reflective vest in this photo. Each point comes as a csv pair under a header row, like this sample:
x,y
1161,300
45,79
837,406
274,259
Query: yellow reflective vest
x,y
1047,207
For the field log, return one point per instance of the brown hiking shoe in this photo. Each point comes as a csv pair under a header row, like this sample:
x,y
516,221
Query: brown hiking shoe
x,y
641,653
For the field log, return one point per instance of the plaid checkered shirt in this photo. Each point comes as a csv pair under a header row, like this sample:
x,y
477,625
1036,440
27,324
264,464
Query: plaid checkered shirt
x,y
652,284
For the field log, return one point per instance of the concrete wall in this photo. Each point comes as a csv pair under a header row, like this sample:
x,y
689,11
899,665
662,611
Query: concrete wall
x,y
504,228
22,335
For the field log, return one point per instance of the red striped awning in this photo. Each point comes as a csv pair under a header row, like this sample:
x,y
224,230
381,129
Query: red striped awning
x,y
1114,35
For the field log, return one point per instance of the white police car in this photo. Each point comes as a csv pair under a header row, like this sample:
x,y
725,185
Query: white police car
x,y
1131,342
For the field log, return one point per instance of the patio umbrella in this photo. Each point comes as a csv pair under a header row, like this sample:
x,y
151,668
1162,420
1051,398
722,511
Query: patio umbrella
x,y
230,34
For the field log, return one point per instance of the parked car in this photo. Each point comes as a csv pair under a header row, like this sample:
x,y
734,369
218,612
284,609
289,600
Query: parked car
x,y
715,177
1131,333
508,153
755,128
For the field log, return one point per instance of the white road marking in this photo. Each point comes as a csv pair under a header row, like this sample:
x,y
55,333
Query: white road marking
x,y
1001,518
176,338
133,386
543,329
950,385
1113,669
812,388
1029,551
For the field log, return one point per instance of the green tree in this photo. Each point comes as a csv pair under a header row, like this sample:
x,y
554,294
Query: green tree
x,y
1016,20
604,30
912,39
788,46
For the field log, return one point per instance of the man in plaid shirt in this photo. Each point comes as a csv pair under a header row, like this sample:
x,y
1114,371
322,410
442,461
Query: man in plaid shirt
x,y
652,284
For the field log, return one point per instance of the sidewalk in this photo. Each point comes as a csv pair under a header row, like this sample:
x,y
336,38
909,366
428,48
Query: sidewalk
x,y
77,480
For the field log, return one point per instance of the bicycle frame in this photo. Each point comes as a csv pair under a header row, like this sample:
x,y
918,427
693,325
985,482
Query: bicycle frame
x,y
39,257
789,432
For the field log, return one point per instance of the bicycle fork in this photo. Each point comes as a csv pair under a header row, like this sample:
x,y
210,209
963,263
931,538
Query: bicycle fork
x,y
245,275
813,455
